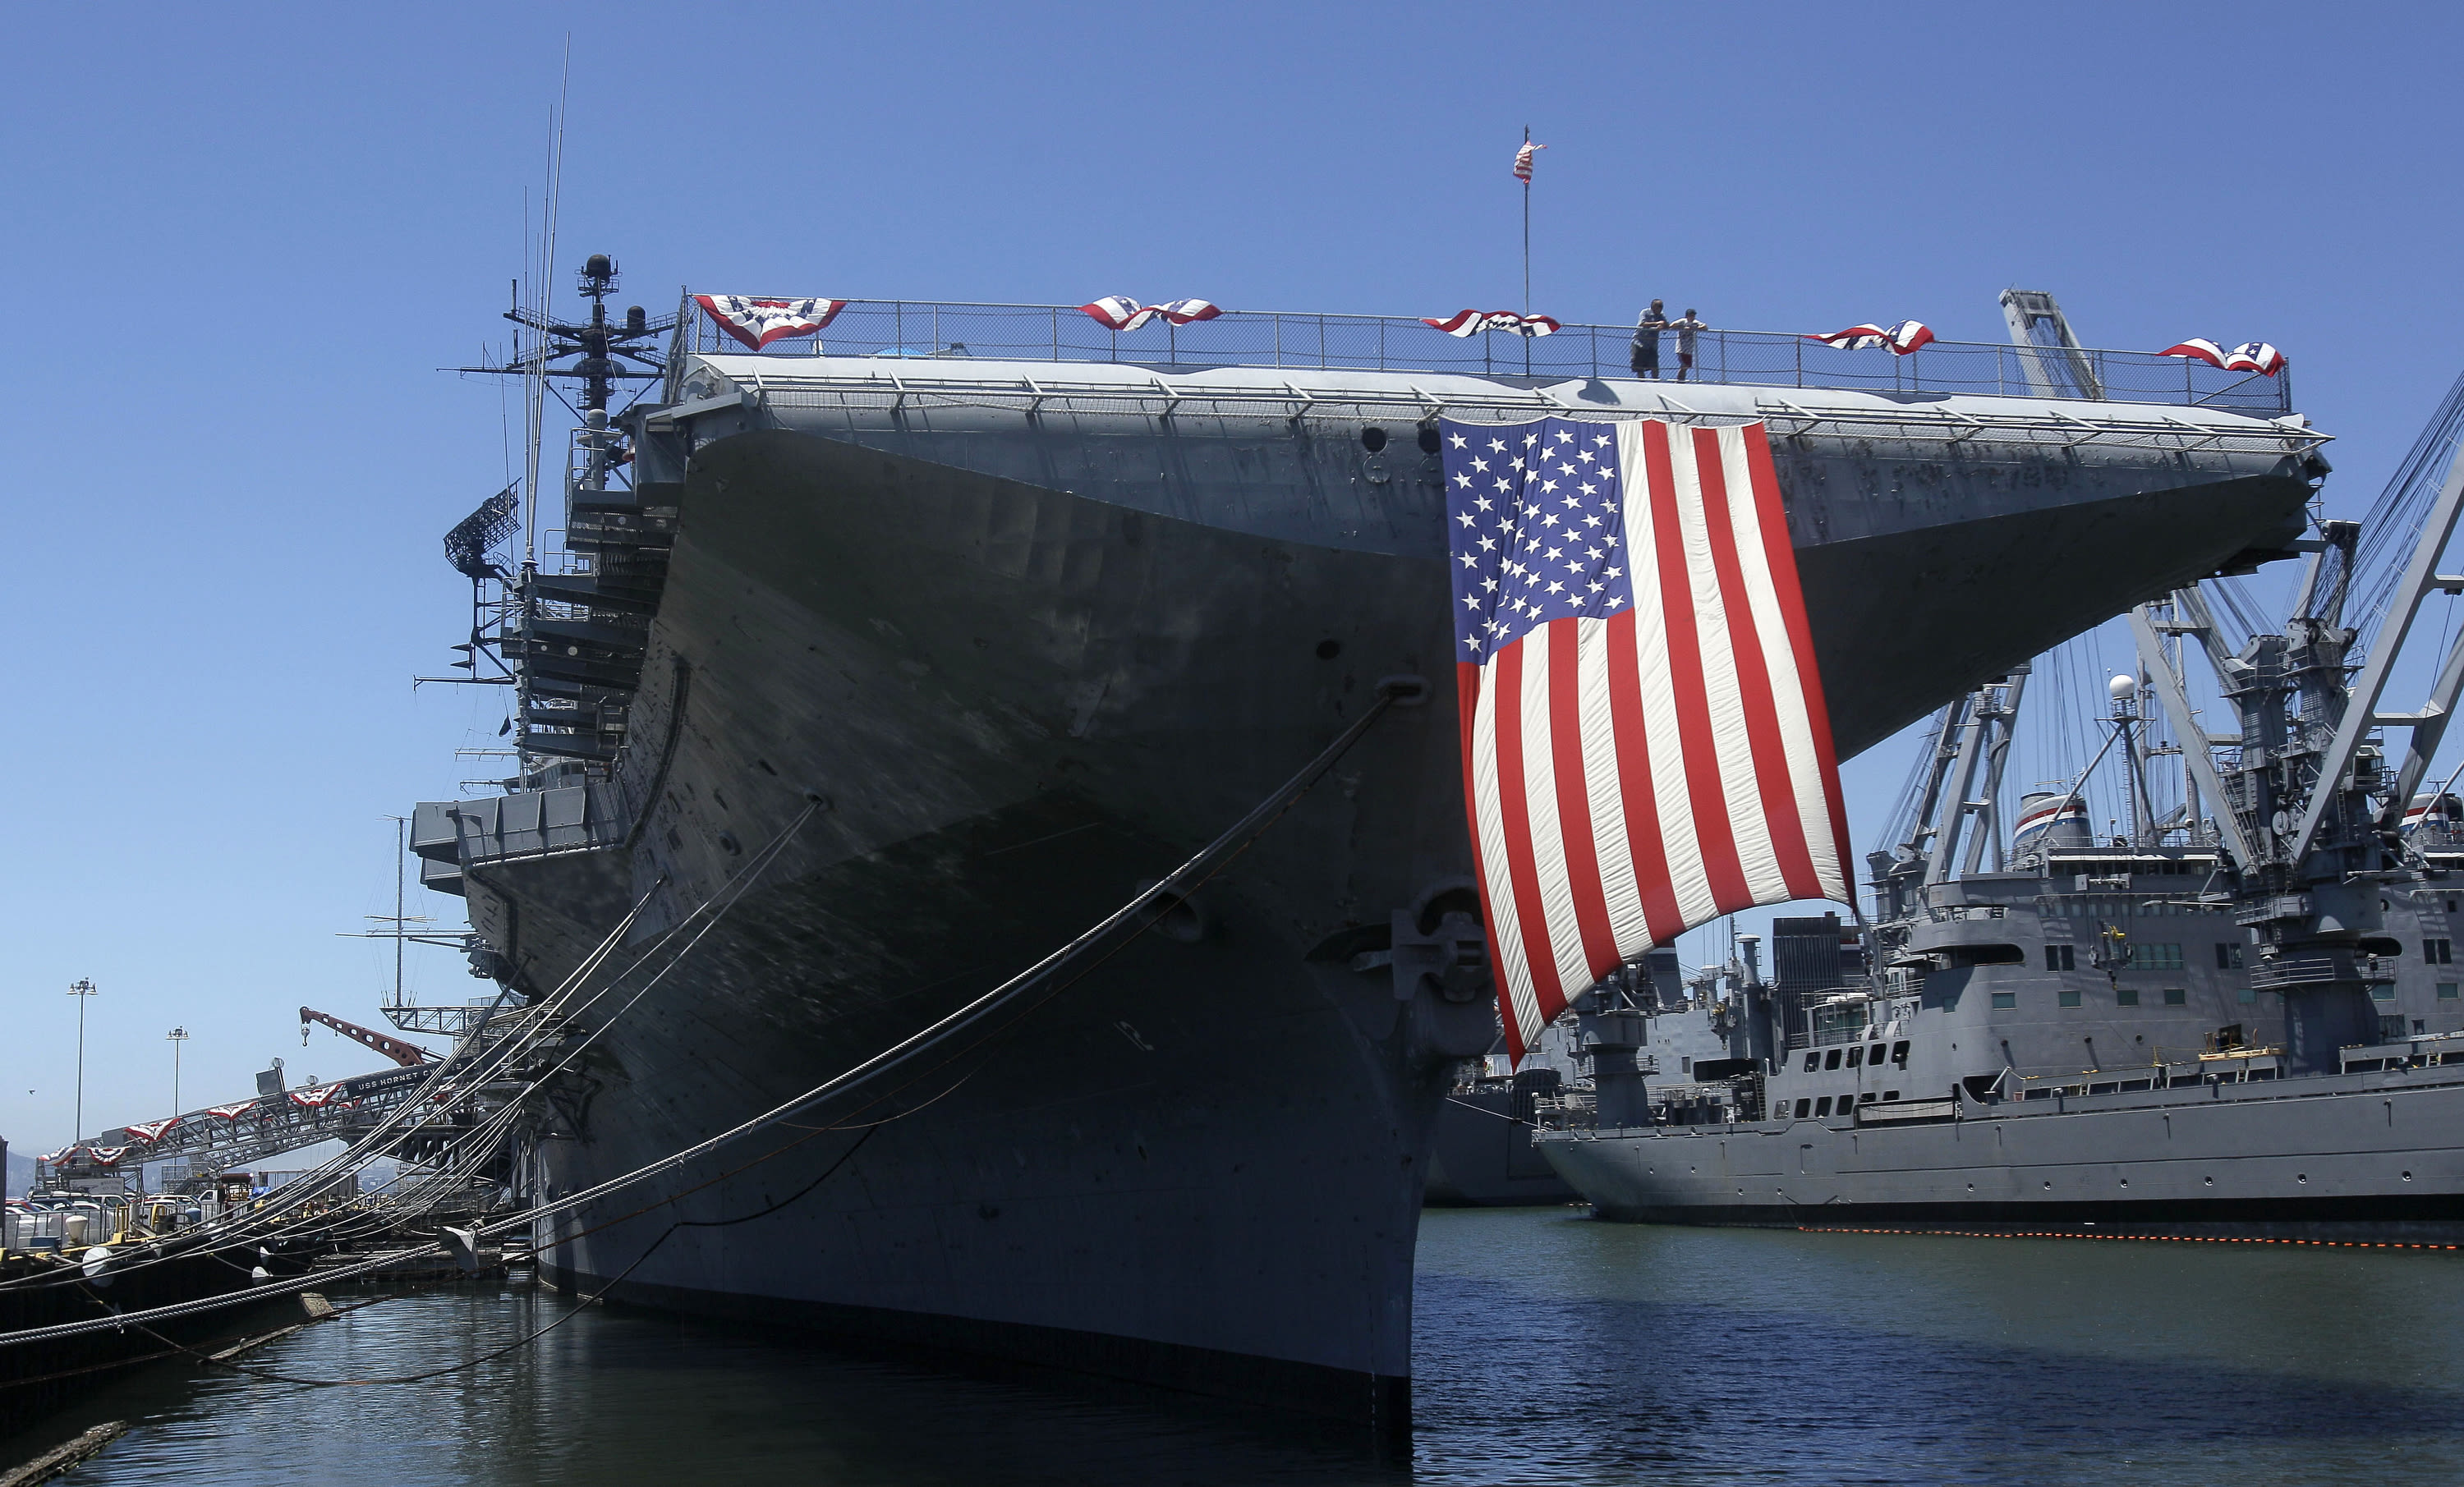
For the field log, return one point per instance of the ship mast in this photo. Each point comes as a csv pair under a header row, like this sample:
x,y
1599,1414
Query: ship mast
x,y
566,629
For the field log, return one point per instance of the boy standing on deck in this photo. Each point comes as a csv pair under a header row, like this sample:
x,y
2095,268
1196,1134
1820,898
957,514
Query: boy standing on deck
x,y
1646,340
1686,330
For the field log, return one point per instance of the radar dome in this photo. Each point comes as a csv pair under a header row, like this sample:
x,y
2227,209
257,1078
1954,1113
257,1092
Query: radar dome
x,y
2122,689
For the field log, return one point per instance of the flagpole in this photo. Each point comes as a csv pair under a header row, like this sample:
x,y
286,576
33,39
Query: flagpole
x,y
1527,232
1527,258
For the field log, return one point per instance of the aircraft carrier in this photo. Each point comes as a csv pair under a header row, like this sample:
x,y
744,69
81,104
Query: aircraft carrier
x,y
968,623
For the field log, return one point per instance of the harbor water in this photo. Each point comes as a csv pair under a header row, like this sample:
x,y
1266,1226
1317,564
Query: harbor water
x,y
1550,1348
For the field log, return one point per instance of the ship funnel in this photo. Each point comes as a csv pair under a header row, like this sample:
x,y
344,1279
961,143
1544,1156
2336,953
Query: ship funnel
x,y
2049,819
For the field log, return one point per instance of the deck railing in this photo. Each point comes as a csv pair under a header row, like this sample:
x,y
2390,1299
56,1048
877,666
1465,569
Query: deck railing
x,y
917,329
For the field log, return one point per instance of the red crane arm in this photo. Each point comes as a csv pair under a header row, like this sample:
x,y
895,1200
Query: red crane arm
x,y
410,1056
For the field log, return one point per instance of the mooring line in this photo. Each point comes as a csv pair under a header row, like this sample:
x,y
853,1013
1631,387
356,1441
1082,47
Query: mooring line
x,y
1197,870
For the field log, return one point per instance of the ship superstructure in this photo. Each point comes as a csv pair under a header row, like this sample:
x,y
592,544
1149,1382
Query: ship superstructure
x,y
887,662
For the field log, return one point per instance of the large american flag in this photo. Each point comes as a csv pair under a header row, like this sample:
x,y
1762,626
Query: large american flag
x,y
1645,745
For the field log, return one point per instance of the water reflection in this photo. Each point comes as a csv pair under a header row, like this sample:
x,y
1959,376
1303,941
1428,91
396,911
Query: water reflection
x,y
1550,1349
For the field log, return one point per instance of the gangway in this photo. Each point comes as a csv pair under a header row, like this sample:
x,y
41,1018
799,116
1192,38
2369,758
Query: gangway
x,y
248,1132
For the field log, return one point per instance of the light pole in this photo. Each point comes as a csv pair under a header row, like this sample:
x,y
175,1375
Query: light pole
x,y
176,1036
82,989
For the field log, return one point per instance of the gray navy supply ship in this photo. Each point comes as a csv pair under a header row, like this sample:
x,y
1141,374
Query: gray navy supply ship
x,y
966,622
2196,1025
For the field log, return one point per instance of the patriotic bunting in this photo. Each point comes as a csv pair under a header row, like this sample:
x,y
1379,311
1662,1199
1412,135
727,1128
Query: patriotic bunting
x,y
2251,356
1645,744
151,1131
757,323
108,1156
323,1095
1120,313
1471,323
57,1157
231,1112
1902,337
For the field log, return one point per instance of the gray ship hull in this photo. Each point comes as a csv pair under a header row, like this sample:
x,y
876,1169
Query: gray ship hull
x,y
1025,665
2358,1156
1480,1155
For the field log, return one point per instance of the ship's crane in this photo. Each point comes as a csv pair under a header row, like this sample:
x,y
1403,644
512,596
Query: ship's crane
x,y
410,1056
2311,814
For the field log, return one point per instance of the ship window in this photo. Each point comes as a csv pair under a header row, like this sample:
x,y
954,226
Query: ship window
x,y
2175,996
2446,990
2383,991
1900,1052
2147,956
2070,997
1822,1107
2438,953
2006,999
2061,957
2125,996
1813,1060
1686,1065
1890,1094
2227,956
1874,1057
1867,1098
1856,1056
2245,995
1803,1107
1831,1059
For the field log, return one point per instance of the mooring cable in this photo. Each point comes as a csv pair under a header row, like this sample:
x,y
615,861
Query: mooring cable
x,y
576,1309
243,1227
1178,883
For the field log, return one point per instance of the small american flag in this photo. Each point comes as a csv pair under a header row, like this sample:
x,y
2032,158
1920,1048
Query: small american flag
x,y
1645,745
1523,162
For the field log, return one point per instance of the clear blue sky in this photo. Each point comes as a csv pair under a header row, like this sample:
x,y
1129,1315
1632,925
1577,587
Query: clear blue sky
x,y
240,240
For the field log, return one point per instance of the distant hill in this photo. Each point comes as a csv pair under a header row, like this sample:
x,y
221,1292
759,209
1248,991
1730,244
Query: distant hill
x,y
21,1175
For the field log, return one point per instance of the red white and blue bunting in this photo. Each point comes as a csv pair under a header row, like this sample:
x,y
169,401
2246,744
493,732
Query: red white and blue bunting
x,y
2251,356
1902,337
1121,313
756,322
151,1131
1471,323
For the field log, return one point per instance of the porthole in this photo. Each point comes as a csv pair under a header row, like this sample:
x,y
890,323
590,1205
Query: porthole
x,y
1430,443
1373,438
1327,650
